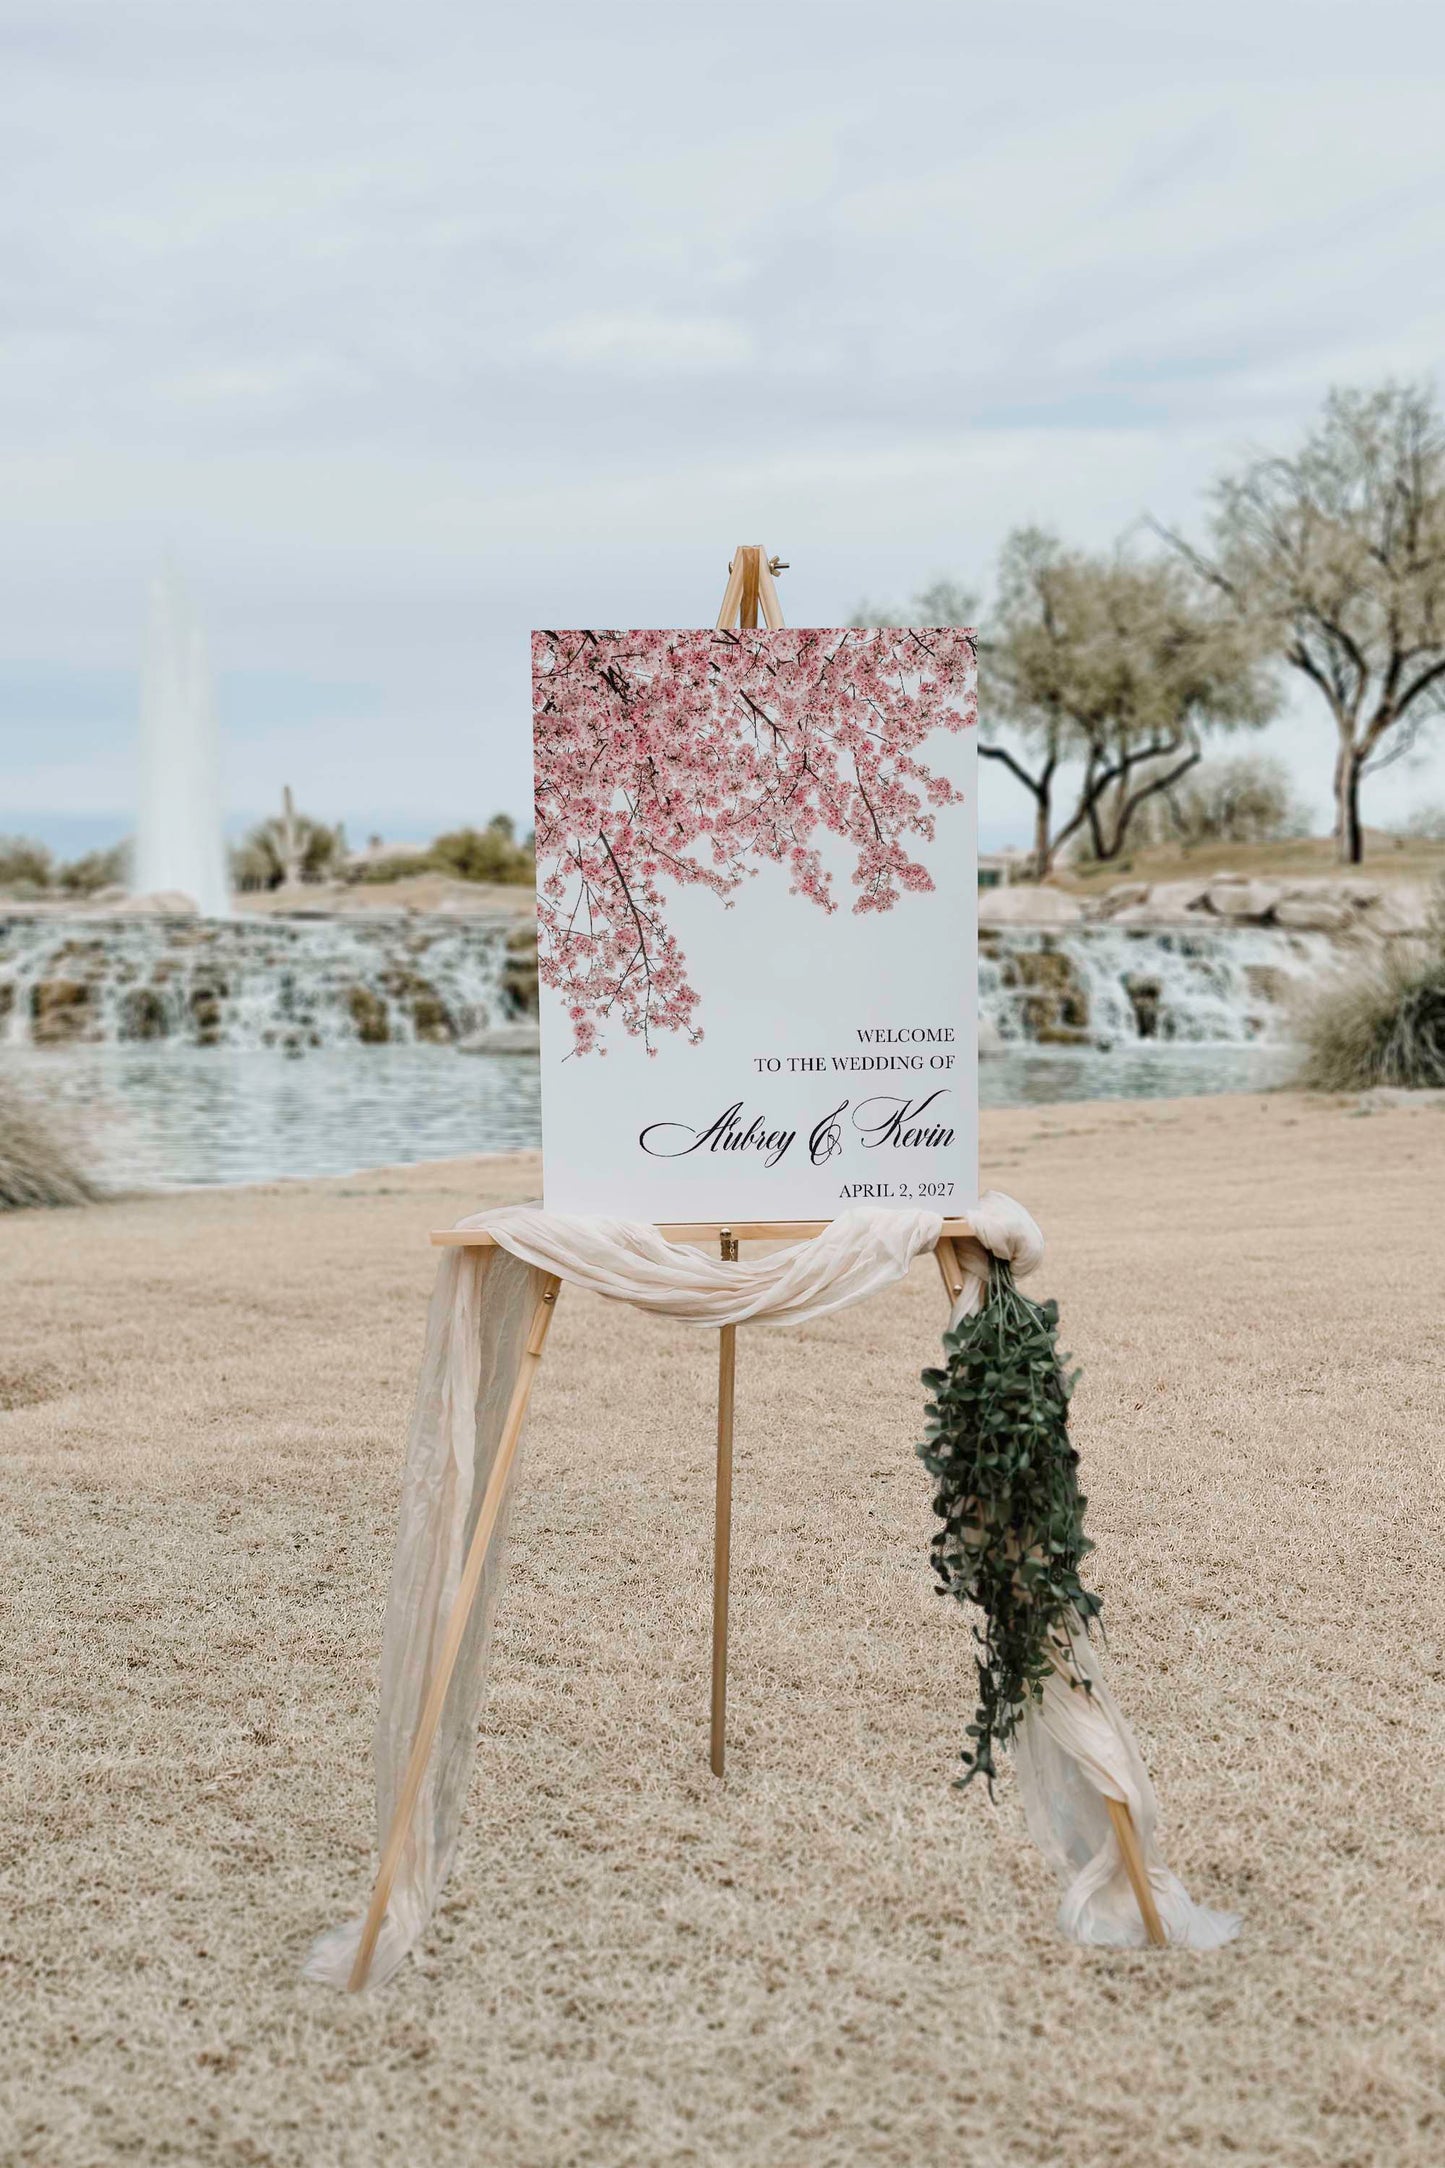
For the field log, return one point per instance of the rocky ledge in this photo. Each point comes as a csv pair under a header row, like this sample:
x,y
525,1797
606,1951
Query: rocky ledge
x,y
1346,906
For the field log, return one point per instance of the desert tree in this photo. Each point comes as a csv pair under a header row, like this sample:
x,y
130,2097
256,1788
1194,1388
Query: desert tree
x,y
1338,554
1099,678
1111,669
1247,799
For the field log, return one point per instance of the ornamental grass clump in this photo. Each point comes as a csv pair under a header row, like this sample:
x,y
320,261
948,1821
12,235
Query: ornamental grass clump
x,y
1381,1026
1383,1022
1006,1493
37,1166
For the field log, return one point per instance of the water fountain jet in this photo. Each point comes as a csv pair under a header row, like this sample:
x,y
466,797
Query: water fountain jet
x,y
179,844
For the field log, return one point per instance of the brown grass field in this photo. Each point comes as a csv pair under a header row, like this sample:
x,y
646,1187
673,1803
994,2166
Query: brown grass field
x,y
1388,859
834,1959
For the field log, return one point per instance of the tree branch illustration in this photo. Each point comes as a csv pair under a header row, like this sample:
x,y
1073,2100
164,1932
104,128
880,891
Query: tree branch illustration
x,y
668,760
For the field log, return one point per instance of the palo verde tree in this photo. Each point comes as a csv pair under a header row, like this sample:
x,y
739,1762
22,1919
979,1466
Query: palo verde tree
x,y
1099,677
1338,555
1111,670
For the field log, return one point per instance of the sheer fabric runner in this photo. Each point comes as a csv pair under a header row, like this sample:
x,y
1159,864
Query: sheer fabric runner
x,y
1074,1750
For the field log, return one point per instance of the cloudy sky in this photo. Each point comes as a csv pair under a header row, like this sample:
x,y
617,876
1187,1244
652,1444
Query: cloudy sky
x,y
404,329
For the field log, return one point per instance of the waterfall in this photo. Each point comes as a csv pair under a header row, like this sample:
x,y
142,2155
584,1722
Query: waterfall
x,y
292,984
179,846
300,983
1111,986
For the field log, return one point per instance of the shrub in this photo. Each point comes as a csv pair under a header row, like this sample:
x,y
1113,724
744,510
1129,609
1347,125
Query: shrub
x,y
1247,800
397,866
97,869
1385,1025
24,865
486,854
37,1165
260,861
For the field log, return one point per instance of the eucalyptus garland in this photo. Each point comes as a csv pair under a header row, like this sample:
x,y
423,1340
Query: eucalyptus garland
x,y
1006,1493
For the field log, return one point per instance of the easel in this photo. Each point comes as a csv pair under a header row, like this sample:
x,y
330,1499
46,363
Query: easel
x,y
750,588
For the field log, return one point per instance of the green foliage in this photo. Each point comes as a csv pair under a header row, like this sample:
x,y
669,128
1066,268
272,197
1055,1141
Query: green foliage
x,y
398,865
486,854
1006,1493
466,854
96,870
1119,663
1337,555
261,861
24,866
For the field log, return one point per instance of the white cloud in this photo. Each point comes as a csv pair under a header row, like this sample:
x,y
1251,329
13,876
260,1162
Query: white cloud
x,y
406,330
647,341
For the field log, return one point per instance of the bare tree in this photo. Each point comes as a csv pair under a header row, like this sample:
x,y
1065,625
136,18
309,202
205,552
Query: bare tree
x,y
1339,554
1118,664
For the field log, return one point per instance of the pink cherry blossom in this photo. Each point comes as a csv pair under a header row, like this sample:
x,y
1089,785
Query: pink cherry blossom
x,y
684,759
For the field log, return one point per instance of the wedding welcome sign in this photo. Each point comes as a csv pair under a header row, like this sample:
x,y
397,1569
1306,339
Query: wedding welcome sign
x,y
757,921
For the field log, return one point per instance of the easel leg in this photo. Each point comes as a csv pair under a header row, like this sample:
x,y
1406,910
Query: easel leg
x,y
723,1527
1128,1841
1127,1837
467,1588
722,1543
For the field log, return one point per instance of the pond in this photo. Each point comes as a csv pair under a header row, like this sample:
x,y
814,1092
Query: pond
x,y
169,1116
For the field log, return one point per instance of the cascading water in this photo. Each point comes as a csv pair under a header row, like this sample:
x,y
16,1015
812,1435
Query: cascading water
x,y
1113,986
286,983
298,984
179,845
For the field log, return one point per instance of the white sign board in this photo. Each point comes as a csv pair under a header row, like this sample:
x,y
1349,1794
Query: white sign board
x,y
757,921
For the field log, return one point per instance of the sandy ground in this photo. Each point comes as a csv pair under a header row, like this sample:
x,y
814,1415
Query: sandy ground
x,y
835,1958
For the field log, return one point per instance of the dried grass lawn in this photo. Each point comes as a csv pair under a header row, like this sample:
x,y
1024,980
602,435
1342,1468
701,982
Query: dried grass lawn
x,y
835,1960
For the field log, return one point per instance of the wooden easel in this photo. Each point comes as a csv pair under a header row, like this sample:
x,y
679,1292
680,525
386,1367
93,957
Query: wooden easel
x,y
750,588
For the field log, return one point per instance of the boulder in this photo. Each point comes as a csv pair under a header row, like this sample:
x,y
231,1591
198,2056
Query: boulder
x,y
1177,899
519,972
1124,896
1055,1009
431,1018
1315,914
1165,903
1402,910
1251,902
1145,998
60,1011
1269,984
143,1014
502,1039
369,1014
1028,905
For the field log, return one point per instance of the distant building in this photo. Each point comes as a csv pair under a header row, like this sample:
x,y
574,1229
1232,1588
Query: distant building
x,y
998,869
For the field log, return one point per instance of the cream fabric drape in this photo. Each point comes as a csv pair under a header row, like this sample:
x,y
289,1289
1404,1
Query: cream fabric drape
x,y
477,1330
1075,1747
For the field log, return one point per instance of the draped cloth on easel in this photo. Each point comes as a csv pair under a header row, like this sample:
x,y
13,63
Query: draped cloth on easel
x,y
1073,1750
